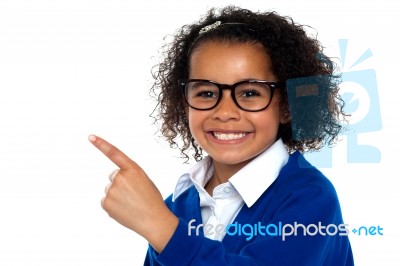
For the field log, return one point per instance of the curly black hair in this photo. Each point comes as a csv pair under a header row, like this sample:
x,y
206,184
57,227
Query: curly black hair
x,y
293,54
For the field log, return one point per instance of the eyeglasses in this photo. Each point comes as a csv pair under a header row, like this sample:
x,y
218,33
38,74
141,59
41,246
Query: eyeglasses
x,y
248,95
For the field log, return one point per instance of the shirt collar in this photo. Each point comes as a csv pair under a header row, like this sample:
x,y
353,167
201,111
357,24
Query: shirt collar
x,y
251,181
196,176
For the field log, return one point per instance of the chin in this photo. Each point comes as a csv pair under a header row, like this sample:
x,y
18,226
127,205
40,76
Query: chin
x,y
232,159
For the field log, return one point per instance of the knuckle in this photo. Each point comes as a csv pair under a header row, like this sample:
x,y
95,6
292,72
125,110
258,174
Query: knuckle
x,y
106,203
111,191
103,203
116,181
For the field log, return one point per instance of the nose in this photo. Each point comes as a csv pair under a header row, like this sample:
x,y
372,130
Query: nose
x,y
226,109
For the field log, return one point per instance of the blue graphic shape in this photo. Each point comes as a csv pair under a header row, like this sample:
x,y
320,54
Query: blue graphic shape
x,y
370,122
351,103
367,80
367,54
343,49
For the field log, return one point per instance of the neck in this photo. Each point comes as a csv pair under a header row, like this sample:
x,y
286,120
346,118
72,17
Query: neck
x,y
222,173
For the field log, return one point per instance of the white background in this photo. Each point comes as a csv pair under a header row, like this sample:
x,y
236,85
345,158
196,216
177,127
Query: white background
x,y
71,68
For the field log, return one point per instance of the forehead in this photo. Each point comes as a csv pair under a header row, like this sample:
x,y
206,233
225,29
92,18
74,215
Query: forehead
x,y
234,61
227,46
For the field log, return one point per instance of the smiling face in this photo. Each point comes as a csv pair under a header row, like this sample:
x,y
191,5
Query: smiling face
x,y
231,136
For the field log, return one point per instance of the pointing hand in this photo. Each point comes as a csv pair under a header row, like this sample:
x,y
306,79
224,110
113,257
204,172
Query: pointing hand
x,y
133,200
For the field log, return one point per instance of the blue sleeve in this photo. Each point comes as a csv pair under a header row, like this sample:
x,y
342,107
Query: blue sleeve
x,y
312,204
195,250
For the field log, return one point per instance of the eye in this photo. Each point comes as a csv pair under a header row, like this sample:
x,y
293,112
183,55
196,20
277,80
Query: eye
x,y
202,90
252,90
250,93
206,94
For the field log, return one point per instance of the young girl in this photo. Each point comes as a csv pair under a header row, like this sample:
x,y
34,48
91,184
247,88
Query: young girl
x,y
254,199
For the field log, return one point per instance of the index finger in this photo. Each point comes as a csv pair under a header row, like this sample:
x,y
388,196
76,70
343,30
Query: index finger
x,y
112,152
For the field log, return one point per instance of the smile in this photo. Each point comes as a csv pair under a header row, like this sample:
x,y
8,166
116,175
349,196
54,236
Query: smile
x,y
228,136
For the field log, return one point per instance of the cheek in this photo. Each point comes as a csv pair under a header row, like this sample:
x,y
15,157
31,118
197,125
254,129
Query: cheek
x,y
195,121
268,121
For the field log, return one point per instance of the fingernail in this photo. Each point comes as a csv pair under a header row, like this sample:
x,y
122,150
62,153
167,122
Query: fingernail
x,y
92,138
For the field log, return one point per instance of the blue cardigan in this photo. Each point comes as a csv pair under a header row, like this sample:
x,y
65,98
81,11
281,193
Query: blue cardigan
x,y
300,195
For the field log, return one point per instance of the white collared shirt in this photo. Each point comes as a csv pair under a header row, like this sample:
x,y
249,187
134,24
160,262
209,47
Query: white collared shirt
x,y
244,187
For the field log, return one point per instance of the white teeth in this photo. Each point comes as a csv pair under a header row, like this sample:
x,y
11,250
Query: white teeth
x,y
230,136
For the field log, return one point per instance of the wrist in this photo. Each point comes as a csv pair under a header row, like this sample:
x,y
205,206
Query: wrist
x,y
161,230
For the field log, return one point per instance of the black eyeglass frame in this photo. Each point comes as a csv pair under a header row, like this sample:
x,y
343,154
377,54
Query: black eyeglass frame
x,y
271,84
